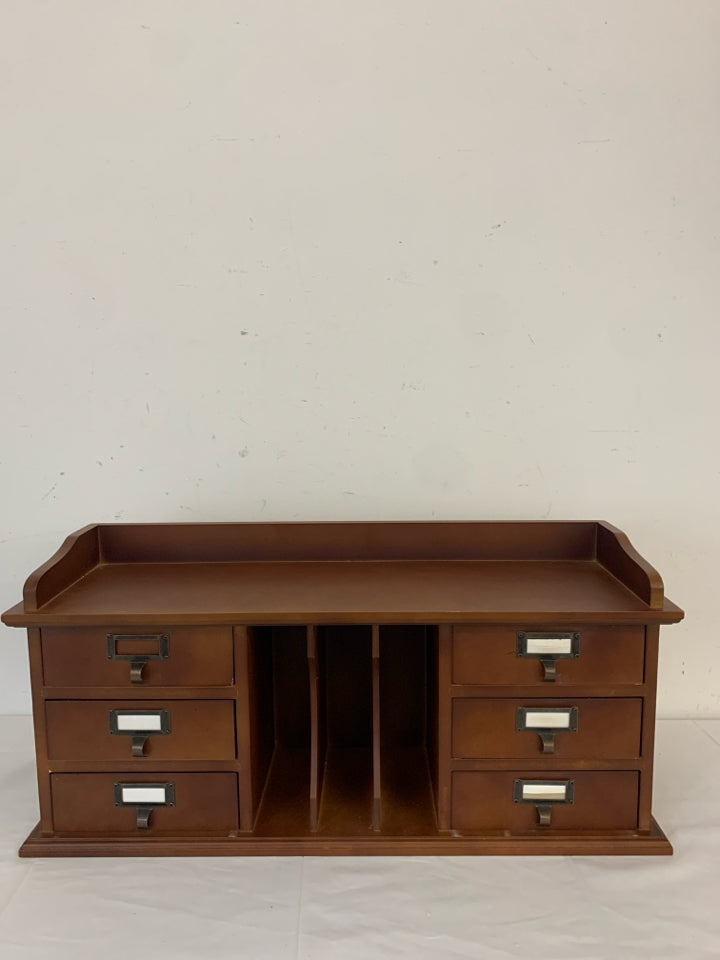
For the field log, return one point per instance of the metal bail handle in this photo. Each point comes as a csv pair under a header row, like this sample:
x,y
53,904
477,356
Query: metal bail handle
x,y
544,795
136,670
549,668
140,725
139,657
548,648
138,744
546,722
144,797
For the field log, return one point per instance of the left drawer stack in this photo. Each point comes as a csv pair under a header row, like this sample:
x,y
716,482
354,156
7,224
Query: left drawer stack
x,y
140,730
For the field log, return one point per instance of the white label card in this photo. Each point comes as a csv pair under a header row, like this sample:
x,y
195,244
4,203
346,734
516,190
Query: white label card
x,y
143,795
547,721
541,645
139,721
544,791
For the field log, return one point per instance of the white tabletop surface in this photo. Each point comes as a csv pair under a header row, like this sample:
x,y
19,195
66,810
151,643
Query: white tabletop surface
x,y
338,908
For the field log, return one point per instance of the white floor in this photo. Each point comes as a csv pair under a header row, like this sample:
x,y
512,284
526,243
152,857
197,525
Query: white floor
x,y
345,908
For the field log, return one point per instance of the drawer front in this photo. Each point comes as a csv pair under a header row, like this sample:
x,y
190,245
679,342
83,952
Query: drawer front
x,y
175,656
140,730
87,803
605,654
606,728
601,801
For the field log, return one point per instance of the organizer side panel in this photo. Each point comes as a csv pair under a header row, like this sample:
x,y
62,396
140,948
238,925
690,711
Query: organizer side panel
x,y
652,636
444,726
40,729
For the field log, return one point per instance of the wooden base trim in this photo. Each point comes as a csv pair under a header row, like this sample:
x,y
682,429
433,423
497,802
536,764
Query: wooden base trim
x,y
622,843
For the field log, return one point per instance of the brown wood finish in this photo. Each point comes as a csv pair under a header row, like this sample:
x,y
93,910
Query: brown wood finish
x,y
615,552
79,657
318,734
406,794
376,729
285,804
347,800
488,654
84,803
558,843
431,709
444,713
199,730
603,801
607,729
344,688
648,727
406,686
362,592
251,754
541,764
40,730
228,542
79,554
116,766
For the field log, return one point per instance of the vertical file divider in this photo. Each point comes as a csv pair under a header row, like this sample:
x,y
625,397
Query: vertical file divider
x,y
377,788
318,735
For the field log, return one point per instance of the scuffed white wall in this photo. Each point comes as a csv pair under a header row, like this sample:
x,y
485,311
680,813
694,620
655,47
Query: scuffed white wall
x,y
381,260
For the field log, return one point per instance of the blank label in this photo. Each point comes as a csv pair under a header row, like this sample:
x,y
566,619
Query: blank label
x,y
139,721
548,645
547,721
140,795
544,791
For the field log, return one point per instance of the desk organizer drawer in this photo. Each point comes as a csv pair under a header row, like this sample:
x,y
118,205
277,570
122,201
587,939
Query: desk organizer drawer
x,y
518,655
113,657
577,729
142,730
144,803
521,802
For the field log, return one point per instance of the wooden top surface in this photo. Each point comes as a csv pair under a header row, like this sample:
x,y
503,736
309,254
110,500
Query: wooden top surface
x,y
363,591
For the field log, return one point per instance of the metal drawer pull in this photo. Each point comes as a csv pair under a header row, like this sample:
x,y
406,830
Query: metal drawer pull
x,y
136,670
545,721
120,647
139,724
544,794
145,797
548,648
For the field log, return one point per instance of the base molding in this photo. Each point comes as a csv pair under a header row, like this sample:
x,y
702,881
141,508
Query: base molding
x,y
621,843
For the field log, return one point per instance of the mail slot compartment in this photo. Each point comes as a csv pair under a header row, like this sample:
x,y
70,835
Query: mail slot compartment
x,y
583,728
140,730
133,657
520,655
143,804
530,802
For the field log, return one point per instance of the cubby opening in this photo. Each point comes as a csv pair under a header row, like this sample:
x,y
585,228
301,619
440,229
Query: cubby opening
x,y
408,729
280,732
346,735
345,730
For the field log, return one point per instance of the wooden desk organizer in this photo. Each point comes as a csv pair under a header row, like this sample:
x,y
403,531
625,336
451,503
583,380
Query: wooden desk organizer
x,y
344,688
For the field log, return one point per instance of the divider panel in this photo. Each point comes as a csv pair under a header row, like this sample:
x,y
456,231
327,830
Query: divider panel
x,y
318,731
377,787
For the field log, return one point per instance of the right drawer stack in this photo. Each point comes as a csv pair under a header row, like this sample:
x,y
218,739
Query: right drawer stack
x,y
546,728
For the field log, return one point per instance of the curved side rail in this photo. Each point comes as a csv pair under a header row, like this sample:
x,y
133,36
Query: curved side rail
x,y
619,556
78,554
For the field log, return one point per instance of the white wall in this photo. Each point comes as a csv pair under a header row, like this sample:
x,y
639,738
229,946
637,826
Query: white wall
x,y
378,260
